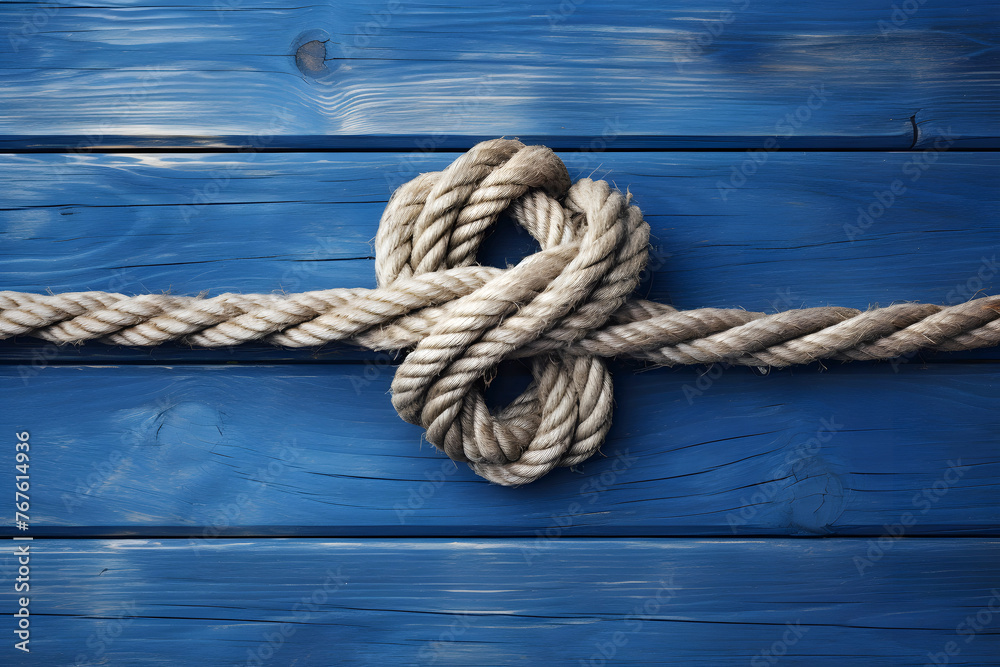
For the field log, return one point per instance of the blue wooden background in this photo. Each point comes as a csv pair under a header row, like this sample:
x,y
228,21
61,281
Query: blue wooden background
x,y
255,505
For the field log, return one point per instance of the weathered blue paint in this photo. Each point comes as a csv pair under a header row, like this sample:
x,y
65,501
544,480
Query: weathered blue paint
x,y
788,235
416,76
318,450
201,462
503,602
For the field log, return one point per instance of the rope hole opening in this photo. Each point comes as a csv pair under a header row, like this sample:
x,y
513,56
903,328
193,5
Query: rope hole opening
x,y
506,244
505,383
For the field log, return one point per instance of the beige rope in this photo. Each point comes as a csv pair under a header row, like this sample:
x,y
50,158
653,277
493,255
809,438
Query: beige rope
x,y
566,307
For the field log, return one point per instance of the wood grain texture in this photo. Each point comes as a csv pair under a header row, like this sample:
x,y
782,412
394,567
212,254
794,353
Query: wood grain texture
x,y
318,450
382,73
138,437
503,602
789,236
277,509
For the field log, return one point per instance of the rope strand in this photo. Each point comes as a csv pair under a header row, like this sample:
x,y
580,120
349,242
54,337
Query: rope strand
x,y
566,307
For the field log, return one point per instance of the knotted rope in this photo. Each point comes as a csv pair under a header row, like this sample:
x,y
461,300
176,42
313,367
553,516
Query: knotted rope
x,y
566,307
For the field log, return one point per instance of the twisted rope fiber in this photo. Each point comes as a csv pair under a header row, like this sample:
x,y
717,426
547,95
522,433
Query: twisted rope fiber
x,y
565,307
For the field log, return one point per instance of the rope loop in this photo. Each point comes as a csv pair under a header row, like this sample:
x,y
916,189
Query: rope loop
x,y
565,308
593,250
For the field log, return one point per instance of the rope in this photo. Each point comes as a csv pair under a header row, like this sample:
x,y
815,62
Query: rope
x,y
566,308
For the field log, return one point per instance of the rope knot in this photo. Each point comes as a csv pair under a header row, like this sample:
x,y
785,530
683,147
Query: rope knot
x,y
593,250
564,307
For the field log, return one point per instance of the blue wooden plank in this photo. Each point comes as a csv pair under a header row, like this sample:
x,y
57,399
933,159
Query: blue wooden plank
x,y
381,73
502,602
793,234
318,450
220,448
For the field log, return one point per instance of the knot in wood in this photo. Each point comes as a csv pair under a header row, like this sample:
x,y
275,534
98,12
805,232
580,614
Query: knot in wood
x,y
593,251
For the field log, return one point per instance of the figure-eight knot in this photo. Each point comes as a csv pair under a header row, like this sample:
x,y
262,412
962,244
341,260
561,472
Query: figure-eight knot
x,y
566,308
